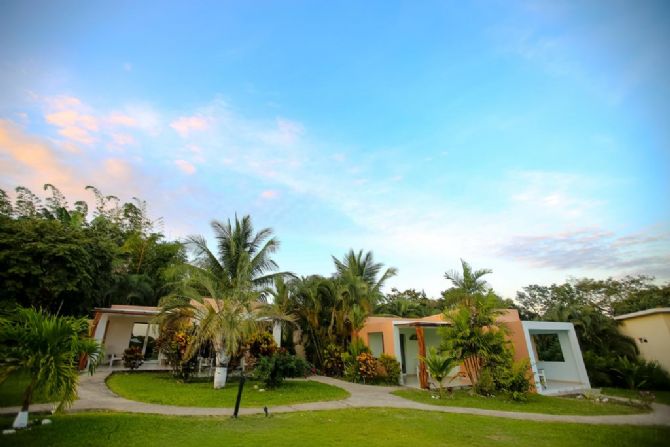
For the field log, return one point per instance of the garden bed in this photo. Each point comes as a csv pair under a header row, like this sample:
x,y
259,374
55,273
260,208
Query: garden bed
x,y
162,388
534,404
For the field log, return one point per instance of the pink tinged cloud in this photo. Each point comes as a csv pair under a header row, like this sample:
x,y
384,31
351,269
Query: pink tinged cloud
x,y
185,167
119,119
269,194
185,125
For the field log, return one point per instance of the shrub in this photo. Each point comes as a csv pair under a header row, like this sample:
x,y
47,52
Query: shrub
x,y
367,366
513,379
262,344
173,345
485,385
357,347
333,363
391,367
133,357
272,370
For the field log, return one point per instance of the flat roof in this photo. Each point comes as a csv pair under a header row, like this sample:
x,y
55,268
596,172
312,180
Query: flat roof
x,y
128,310
642,313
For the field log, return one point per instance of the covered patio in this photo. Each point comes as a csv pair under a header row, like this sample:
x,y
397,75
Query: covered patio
x,y
413,339
555,357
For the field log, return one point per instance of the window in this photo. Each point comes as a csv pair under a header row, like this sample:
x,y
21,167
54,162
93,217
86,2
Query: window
x,y
548,348
376,343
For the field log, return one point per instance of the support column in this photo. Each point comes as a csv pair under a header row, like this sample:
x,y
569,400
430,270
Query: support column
x,y
423,373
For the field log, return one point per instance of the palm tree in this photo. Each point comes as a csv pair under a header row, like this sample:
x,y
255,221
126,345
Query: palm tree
x,y
439,366
47,349
466,285
361,278
222,294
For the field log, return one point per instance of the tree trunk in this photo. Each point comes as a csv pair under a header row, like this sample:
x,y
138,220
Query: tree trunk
x,y
221,371
21,420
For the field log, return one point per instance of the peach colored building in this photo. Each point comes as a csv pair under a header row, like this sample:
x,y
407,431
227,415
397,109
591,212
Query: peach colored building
x,y
408,340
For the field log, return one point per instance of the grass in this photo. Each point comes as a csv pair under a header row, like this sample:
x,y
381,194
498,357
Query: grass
x,y
161,388
535,403
11,391
662,397
363,427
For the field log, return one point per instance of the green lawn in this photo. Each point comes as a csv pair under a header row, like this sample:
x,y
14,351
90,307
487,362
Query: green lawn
x,y
535,403
662,397
351,427
11,391
161,388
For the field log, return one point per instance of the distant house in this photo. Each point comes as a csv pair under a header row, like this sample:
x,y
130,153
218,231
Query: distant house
x,y
122,326
651,331
551,348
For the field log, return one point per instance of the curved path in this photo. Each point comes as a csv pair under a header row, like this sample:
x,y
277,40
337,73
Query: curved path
x,y
94,395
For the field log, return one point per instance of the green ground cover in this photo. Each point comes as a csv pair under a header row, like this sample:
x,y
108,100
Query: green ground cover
x,y
535,403
362,427
662,397
11,391
161,388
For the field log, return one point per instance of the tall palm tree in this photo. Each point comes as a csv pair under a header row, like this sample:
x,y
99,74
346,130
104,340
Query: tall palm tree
x,y
361,279
46,349
221,294
467,283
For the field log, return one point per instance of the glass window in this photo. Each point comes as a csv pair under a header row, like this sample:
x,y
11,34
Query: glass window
x,y
376,343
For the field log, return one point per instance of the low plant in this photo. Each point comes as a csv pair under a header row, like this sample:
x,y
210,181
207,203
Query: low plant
x,y
133,357
439,365
333,363
391,369
273,369
262,344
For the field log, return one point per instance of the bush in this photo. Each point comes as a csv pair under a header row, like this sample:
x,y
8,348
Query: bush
x,y
513,379
173,345
485,386
133,357
272,370
262,344
333,363
391,369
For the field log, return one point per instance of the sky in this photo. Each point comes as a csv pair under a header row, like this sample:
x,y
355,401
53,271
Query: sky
x,y
528,137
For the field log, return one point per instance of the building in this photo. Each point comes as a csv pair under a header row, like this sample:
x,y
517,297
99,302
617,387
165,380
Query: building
x,y
551,348
651,331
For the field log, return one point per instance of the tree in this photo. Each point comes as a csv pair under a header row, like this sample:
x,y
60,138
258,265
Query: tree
x,y
409,304
360,278
474,337
439,366
467,284
221,294
47,349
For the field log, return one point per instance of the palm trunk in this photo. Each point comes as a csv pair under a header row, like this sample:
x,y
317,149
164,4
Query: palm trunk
x,y
221,371
21,420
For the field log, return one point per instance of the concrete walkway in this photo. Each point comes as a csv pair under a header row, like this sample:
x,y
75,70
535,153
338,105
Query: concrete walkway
x,y
94,395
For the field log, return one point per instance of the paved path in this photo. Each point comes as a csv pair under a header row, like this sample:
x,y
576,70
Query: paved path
x,y
94,395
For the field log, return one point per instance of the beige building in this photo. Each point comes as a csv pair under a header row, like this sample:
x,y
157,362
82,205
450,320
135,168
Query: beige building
x,y
651,331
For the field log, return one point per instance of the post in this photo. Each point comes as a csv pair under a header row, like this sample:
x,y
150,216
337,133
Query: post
x,y
423,373
239,396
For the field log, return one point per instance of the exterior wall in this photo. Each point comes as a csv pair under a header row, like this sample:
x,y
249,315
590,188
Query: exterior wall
x,y
383,325
655,329
565,371
118,333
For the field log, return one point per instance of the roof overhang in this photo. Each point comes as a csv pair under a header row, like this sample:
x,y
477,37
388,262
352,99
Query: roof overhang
x,y
642,313
133,312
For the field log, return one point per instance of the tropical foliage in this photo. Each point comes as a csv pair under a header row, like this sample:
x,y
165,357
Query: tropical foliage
x,y
221,294
590,305
439,365
47,349
68,260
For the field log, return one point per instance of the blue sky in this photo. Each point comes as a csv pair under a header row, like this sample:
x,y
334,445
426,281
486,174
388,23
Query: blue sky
x,y
528,137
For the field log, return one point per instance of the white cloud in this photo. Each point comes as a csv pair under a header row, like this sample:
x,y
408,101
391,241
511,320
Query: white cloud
x,y
185,167
186,125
